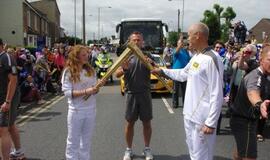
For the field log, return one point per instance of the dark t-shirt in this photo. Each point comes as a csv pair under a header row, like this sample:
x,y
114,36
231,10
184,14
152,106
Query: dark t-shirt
x,y
7,66
137,77
255,80
252,64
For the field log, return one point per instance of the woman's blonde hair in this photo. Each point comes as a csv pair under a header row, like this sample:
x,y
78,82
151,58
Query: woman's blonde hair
x,y
73,64
10,50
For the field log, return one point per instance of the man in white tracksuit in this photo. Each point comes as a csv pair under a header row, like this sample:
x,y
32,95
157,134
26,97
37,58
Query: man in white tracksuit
x,y
204,96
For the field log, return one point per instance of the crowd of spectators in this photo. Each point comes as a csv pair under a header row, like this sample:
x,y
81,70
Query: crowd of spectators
x,y
39,72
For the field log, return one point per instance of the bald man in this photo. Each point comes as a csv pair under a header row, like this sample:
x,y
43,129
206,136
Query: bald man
x,y
204,94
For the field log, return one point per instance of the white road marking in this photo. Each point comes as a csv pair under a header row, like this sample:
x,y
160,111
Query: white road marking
x,y
167,105
33,113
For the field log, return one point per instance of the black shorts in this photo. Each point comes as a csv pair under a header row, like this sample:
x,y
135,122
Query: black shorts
x,y
244,131
139,105
8,118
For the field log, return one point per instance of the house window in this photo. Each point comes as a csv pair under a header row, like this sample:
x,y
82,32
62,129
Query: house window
x,y
48,42
32,40
35,41
29,18
46,27
36,23
42,25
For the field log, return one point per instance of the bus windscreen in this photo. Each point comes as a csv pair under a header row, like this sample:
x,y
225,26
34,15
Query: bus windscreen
x,y
151,32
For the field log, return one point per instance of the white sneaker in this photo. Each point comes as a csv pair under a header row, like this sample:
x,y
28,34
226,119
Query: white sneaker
x,y
16,155
42,101
148,154
128,154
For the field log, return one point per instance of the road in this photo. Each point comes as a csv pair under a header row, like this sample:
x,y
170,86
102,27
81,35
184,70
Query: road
x,y
43,131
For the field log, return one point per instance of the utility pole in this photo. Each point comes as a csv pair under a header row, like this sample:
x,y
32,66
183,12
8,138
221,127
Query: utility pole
x,y
183,11
178,21
83,21
98,38
75,22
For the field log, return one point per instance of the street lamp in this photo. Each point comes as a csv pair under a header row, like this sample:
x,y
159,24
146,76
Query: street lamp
x,y
99,8
83,22
75,22
183,11
88,37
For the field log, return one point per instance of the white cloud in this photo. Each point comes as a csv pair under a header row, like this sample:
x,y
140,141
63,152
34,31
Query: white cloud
x,y
249,11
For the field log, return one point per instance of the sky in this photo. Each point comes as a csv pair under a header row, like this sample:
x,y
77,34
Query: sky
x,y
249,11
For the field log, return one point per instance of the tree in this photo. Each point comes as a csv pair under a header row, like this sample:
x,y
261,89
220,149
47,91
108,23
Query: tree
x,y
229,15
70,40
91,42
173,38
218,10
213,20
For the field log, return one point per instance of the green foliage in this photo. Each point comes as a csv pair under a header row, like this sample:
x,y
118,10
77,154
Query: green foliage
x,y
70,40
213,20
90,42
224,32
229,15
173,38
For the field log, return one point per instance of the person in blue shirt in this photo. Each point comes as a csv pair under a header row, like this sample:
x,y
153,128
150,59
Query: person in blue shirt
x,y
181,57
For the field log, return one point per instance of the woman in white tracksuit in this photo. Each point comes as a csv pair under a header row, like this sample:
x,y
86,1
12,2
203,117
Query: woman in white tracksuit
x,y
77,81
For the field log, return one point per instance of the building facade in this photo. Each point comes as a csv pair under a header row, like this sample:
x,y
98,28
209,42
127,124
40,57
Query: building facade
x,y
36,27
261,29
50,8
22,24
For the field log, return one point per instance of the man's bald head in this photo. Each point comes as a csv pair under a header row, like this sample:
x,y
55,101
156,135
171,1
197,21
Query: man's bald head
x,y
200,28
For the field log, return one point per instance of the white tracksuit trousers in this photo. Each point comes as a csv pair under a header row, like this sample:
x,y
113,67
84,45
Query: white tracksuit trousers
x,y
200,145
81,124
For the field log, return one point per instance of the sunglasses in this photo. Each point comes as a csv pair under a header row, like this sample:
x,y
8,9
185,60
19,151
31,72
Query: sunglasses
x,y
248,52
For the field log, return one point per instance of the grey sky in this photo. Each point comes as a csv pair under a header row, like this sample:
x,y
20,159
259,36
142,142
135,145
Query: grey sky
x,y
249,11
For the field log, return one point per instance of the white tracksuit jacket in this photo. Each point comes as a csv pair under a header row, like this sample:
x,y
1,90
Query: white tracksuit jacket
x,y
203,101
204,93
81,117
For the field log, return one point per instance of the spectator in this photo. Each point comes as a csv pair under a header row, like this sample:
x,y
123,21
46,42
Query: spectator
x,y
59,63
253,40
248,61
94,55
219,46
29,92
167,53
43,76
11,52
49,57
29,62
180,59
251,103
